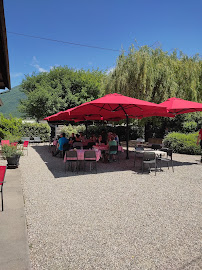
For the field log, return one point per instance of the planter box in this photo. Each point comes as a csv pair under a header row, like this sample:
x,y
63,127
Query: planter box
x,y
13,161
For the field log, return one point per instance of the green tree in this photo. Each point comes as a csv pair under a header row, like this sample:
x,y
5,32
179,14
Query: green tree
x,y
60,89
154,75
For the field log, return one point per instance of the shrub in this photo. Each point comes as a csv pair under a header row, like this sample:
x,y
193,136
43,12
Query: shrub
x,y
10,151
36,130
182,143
189,126
73,129
10,127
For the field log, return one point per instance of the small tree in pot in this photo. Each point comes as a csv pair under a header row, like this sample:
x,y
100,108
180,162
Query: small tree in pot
x,y
12,154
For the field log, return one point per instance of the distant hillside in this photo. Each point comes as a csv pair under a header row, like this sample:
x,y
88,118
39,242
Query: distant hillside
x,y
11,101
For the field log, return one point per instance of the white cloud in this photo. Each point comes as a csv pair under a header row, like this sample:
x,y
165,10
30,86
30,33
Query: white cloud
x,y
16,74
52,67
111,69
35,63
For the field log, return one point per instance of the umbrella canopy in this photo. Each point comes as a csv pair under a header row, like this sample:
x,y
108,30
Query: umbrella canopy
x,y
111,107
179,106
116,106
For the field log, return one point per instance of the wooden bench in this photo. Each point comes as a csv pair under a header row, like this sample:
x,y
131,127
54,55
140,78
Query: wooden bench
x,y
2,176
155,141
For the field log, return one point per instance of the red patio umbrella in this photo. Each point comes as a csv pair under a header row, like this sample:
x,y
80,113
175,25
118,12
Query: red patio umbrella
x,y
179,106
112,107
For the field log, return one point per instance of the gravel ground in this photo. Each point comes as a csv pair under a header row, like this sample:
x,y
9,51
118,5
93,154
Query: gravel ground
x,y
115,219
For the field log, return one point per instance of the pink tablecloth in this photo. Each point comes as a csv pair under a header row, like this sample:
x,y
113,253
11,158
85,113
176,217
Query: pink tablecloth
x,y
85,143
55,142
80,154
105,147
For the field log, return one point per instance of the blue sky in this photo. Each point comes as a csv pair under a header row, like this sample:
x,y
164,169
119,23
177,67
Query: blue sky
x,y
111,24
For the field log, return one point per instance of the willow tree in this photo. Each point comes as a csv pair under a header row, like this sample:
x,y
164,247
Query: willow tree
x,y
155,75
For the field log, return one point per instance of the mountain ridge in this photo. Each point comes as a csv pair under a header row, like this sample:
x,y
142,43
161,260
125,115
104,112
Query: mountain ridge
x,y
11,100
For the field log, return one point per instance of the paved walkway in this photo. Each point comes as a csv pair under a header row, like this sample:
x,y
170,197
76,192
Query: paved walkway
x,y
14,253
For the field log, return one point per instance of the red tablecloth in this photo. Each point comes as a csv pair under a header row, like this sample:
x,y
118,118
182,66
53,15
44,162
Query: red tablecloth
x,y
80,154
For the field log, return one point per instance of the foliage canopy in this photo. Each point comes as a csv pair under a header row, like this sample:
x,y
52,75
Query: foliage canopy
x,y
155,75
60,89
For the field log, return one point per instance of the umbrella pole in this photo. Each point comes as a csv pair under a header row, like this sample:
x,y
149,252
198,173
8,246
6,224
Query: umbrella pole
x,y
127,136
86,124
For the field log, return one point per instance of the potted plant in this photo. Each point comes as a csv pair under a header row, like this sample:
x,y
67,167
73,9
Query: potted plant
x,y
12,154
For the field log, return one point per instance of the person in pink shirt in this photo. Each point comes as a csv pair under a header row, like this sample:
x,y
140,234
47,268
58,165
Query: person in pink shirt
x,y
200,140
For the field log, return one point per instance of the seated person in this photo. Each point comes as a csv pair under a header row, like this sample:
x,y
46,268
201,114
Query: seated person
x,y
116,137
112,154
99,141
72,138
82,137
104,136
78,138
93,138
63,140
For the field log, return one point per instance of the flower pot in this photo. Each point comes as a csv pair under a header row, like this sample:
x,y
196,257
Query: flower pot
x,y
13,161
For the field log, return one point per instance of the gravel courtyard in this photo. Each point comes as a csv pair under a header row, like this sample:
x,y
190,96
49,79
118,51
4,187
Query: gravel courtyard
x,y
117,219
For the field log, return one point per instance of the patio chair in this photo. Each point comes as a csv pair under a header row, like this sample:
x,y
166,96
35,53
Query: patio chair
x,y
149,158
90,145
25,146
139,148
138,155
14,144
37,139
90,157
2,176
5,142
168,159
114,148
156,146
78,145
25,139
71,157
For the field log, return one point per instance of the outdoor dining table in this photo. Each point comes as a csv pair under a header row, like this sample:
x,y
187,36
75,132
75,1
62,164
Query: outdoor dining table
x,y
106,147
80,154
158,153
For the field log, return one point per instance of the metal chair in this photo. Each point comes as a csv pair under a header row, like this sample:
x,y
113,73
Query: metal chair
x,y
149,158
78,145
137,155
5,142
156,146
25,139
70,158
90,157
2,176
25,146
114,148
90,145
37,140
168,159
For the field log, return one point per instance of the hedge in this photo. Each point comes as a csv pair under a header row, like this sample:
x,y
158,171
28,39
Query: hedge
x,y
36,130
10,128
183,143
